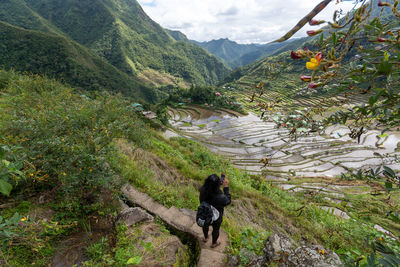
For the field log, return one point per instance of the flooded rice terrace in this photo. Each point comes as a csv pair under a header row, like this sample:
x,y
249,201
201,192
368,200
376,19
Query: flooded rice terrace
x,y
245,140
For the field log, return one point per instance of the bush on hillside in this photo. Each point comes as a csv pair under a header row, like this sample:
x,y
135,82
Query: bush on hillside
x,y
63,136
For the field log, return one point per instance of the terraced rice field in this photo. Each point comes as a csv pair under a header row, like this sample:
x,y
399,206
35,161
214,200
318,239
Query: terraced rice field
x,y
247,139
311,164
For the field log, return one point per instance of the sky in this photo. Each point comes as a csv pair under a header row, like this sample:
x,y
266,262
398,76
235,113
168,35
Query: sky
x,y
243,21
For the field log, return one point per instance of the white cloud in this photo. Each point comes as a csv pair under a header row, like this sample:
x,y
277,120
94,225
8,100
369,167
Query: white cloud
x,y
244,21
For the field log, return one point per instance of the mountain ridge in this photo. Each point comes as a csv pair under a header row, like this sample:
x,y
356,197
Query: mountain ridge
x,y
233,54
58,57
121,33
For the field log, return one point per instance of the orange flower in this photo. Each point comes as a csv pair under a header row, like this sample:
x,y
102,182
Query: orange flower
x,y
314,62
23,219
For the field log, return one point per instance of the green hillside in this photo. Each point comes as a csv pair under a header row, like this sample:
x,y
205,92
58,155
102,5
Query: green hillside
x,y
18,13
120,32
61,58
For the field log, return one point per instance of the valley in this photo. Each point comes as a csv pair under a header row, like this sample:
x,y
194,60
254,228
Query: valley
x,y
110,123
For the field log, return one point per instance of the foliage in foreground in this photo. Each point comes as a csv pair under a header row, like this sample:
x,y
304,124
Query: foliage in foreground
x,y
54,141
358,54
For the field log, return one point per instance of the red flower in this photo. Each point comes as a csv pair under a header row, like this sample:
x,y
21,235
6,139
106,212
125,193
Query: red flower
x,y
294,55
312,33
312,85
380,3
305,78
382,40
314,22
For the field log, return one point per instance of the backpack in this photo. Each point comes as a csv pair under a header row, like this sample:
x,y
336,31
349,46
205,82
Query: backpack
x,y
206,214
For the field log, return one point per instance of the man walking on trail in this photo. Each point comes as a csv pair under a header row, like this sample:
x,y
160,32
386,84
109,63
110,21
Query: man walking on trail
x,y
211,193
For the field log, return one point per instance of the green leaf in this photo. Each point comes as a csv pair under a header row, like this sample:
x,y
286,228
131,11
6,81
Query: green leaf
x,y
321,39
135,260
371,259
2,152
5,188
389,261
6,163
387,55
15,219
389,172
385,68
382,135
7,233
334,39
388,185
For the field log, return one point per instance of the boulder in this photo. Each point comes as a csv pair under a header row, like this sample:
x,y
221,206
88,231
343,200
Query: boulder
x,y
282,250
131,216
278,248
166,249
315,256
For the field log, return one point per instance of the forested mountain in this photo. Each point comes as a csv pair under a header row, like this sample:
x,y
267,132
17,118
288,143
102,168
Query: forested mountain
x,y
121,33
237,55
228,50
58,57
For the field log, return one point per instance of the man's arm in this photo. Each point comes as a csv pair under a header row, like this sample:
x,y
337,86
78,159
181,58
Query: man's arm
x,y
227,196
225,199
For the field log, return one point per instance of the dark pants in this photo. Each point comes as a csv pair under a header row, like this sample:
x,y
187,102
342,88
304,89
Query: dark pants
x,y
215,233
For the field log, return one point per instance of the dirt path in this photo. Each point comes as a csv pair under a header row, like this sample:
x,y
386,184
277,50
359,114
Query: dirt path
x,y
185,223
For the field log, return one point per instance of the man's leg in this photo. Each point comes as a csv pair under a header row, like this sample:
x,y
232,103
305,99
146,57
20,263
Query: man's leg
x,y
215,233
205,231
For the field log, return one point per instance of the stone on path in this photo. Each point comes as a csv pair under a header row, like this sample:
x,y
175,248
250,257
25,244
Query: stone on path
x,y
131,216
211,258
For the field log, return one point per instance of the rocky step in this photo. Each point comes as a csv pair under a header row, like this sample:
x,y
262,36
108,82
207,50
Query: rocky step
x,y
184,223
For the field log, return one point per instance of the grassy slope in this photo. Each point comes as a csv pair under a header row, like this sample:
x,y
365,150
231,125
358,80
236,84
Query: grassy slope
x,y
100,143
56,56
123,34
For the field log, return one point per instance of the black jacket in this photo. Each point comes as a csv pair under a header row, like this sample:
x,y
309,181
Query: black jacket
x,y
219,201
